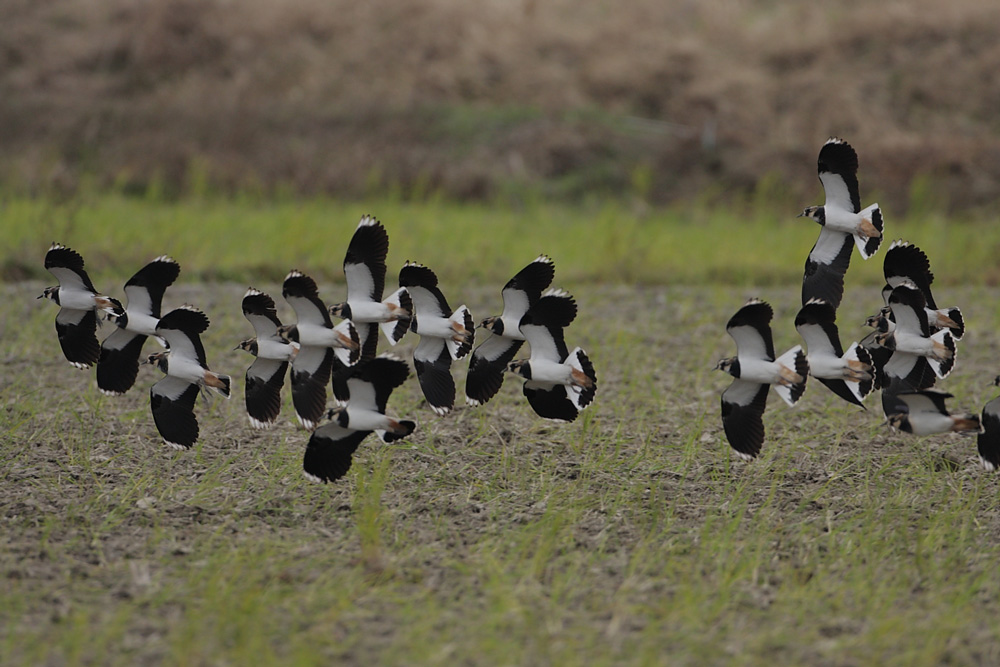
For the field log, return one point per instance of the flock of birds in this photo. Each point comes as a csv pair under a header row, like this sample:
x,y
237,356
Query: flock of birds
x,y
912,345
913,342
558,382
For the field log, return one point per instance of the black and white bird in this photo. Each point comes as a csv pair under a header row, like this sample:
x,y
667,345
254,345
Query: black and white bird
x,y
444,335
755,369
118,365
924,413
172,398
364,270
78,301
331,446
906,263
266,375
490,360
850,375
559,383
911,340
843,222
989,440
319,342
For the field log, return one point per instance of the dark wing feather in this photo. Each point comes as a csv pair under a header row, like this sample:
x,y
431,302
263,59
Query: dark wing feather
x,y
826,266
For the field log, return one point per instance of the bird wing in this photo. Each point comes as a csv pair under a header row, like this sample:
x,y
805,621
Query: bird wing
x,y
751,329
826,266
145,289
301,293
364,263
260,310
526,287
908,310
487,368
171,401
180,328
906,262
66,265
743,406
330,451
838,172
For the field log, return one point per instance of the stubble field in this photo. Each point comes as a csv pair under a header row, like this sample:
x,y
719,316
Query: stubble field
x,y
632,536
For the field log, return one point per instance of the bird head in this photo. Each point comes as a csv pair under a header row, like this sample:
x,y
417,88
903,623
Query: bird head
x,y
895,421
156,359
814,213
250,345
338,413
341,310
494,324
289,333
728,365
520,367
50,293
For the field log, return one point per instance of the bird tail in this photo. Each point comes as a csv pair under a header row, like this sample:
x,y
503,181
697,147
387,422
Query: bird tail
x,y
400,429
870,238
584,379
943,357
862,379
464,335
797,366
953,320
351,352
401,305
967,423
219,382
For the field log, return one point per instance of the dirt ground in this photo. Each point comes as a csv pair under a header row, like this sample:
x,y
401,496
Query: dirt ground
x,y
104,528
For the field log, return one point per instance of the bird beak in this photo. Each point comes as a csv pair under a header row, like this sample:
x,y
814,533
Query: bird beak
x,y
801,215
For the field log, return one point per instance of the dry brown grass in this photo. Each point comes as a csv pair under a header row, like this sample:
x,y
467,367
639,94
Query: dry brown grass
x,y
467,98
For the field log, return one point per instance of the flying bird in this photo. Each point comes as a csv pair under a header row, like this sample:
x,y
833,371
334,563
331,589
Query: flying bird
x,y
172,398
558,382
842,221
444,335
118,364
924,413
78,301
266,375
989,440
319,342
849,375
364,269
490,360
911,340
906,263
755,369
331,447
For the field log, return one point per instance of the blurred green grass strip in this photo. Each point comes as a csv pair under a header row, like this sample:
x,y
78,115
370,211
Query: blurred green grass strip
x,y
249,238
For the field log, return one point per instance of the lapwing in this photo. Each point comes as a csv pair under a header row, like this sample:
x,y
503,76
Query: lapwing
x,y
755,369
364,270
490,360
558,382
989,440
842,220
331,446
911,340
266,375
118,365
925,414
849,375
172,398
319,342
906,263
78,301
444,335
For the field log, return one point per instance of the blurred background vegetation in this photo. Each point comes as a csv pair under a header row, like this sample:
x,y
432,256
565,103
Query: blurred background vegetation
x,y
654,101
